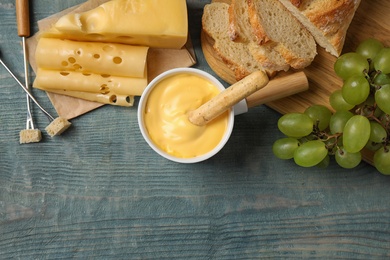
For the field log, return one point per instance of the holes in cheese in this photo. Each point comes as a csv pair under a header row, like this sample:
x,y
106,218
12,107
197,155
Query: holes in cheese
x,y
113,99
154,23
117,60
71,60
107,58
104,89
92,83
103,72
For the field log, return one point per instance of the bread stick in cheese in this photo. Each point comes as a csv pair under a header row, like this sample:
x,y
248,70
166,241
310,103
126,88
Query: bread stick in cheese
x,y
88,82
228,98
105,58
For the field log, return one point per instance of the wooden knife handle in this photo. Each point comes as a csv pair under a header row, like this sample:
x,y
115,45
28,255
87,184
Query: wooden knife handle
x,y
279,87
23,17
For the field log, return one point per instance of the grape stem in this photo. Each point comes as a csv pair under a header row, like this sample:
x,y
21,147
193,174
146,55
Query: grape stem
x,y
371,79
325,136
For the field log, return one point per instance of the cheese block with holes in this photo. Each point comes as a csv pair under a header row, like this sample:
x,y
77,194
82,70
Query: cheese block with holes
x,y
107,85
88,57
154,23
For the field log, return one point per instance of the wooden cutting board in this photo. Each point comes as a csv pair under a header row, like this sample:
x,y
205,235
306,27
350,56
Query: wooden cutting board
x,y
370,20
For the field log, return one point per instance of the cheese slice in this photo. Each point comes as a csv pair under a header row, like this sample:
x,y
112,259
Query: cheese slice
x,y
110,98
101,58
88,82
153,23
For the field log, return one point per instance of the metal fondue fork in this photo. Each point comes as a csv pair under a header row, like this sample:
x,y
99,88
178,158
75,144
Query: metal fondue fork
x,y
23,23
50,117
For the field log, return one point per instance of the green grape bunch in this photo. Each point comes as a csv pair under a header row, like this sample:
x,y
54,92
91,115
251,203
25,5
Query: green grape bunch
x,y
360,120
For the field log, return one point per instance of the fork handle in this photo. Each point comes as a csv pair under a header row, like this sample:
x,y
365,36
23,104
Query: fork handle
x,y
23,17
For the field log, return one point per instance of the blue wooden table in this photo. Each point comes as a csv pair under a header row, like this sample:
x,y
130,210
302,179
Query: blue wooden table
x,y
99,192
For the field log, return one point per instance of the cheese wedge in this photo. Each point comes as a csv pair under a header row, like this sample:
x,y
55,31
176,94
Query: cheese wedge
x,y
153,23
103,58
88,82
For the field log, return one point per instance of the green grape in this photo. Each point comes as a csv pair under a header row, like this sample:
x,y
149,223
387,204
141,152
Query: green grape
x,y
333,143
377,134
284,148
385,119
347,160
355,89
295,125
382,61
382,98
338,120
356,133
382,79
372,146
350,64
310,153
324,163
337,101
369,48
321,114
382,160
369,108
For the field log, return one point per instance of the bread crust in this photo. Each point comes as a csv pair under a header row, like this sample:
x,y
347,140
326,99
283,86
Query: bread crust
x,y
259,33
331,18
260,20
296,3
233,32
295,61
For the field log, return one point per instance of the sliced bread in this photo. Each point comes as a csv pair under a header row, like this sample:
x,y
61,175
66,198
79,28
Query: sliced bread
x,y
236,55
327,20
239,24
268,56
270,19
241,31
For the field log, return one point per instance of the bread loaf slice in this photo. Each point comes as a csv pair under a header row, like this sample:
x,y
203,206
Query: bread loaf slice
x,y
240,31
236,55
327,20
270,19
239,23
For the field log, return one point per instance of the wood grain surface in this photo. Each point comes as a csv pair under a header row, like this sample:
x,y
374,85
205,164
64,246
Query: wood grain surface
x,y
368,22
99,192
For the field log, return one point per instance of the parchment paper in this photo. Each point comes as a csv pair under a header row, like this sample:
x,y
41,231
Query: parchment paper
x,y
158,61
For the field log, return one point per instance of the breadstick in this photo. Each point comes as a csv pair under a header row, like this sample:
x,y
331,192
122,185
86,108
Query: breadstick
x,y
228,98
